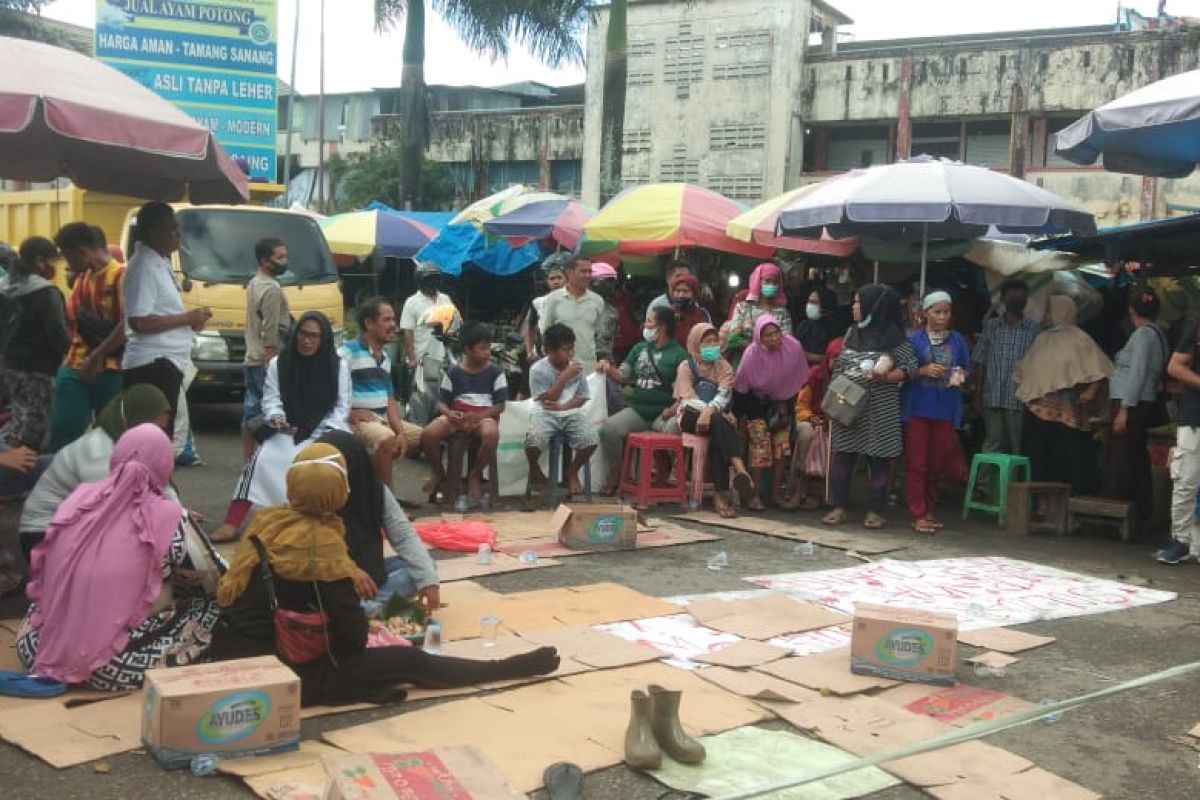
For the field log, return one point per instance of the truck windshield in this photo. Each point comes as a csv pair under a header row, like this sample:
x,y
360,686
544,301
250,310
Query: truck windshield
x,y
217,245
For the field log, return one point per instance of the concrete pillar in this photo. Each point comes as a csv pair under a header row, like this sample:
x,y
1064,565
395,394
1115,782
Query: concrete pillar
x,y
903,119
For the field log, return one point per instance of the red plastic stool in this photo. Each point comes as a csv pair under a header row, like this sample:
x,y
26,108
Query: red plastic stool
x,y
642,488
698,445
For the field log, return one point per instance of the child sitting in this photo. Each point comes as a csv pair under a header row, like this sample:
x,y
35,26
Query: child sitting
x,y
472,399
559,390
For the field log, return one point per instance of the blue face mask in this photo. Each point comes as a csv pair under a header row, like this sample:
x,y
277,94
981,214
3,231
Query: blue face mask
x,y
865,321
769,290
710,353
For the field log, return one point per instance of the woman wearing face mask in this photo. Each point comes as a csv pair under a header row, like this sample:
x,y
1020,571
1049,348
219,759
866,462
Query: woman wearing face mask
x,y
704,388
819,326
685,290
648,374
765,296
555,278
933,405
604,283
877,356
772,372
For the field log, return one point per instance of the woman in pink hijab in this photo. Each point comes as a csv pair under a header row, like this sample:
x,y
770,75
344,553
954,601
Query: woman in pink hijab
x,y
764,296
122,582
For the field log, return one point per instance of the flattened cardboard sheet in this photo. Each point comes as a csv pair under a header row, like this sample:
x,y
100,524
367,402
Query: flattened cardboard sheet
x,y
1003,640
458,568
756,685
64,737
664,534
764,617
594,648
993,659
798,533
825,672
744,654
309,753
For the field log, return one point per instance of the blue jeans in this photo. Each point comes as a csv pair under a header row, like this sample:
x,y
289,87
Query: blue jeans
x,y
256,376
398,582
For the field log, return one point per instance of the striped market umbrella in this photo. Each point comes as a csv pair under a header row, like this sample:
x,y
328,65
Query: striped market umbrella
x,y
358,233
661,217
502,202
759,225
561,219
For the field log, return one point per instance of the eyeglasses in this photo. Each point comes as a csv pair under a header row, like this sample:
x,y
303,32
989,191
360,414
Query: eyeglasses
x,y
308,336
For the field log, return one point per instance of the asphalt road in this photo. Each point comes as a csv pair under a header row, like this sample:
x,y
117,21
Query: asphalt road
x,y
1118,747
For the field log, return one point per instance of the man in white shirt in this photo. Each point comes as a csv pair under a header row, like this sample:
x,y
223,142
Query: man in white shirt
x,y
423,352
579,308
160,334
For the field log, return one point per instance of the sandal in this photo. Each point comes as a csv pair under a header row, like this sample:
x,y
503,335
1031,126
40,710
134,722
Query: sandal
x,y
22,684
874,521
812,503
724,509
743,484
924,526
835,517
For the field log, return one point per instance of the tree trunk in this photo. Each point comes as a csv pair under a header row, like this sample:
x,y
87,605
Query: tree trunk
x,y
415,122
612,124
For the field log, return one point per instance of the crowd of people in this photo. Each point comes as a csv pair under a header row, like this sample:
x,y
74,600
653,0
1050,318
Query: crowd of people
x,y
794,396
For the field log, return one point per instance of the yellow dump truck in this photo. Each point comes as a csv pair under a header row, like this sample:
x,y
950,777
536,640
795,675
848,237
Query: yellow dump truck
x,y
214,262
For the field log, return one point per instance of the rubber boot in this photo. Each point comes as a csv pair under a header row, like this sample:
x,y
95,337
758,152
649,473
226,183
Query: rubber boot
x,y
641,751
668,731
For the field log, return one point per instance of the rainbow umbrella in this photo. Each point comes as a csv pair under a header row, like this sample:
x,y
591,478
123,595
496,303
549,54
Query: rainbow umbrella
x,y
760,223
561,219
661,217
358,233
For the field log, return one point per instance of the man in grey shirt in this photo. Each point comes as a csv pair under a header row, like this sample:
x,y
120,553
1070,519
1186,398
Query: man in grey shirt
x,y
579,308
267,322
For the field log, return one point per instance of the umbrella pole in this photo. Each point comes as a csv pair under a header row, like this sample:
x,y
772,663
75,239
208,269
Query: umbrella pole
x,y
876,278
924,254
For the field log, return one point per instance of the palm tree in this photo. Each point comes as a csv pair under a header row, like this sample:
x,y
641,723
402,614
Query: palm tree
x,y
612,121
548,29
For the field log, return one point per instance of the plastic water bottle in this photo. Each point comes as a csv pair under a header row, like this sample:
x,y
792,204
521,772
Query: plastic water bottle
x,y
805,549
528,557
1053,716
485,553
718,562
204,765
433,637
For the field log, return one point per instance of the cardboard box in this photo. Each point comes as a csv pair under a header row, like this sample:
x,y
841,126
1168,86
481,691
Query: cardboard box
x,y
449,772
596,527
904,644
230,708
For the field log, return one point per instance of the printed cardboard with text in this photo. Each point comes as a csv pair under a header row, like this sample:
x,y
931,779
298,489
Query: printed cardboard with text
x,y
596,527
904,644
241,707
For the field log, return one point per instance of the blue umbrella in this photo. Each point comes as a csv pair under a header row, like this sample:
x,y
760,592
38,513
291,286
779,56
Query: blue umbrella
x,y
1152,131
561,219
461,244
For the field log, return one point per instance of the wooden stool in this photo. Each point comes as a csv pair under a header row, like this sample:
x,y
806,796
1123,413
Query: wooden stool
x,y
1101,509
1022,497
464,447
640,484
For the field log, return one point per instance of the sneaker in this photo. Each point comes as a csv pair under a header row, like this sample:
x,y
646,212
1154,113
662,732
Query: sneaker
x,y
1174,553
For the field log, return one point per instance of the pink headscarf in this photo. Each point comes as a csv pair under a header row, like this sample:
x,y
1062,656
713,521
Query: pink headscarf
x,y
98,572
765,270
778,375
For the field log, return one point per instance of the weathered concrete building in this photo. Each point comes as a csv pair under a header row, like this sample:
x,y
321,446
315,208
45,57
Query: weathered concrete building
x,y
713,93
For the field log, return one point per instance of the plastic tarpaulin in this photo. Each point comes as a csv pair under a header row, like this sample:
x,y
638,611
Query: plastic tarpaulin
x,y
461,244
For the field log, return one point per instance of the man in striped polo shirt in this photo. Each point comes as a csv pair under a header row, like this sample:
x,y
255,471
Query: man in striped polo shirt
x,y
90,375
374,415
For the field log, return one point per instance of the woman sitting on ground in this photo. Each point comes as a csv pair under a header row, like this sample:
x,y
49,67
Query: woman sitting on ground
x,y
306,549
86,459
772,372
875,355
649,378
1061,381
373,508
704,388
933,410
305,394
121,583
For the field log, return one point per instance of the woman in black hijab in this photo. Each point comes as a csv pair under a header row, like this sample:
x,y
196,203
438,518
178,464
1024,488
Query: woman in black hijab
x,y
876,356
819,324
371,513
306,393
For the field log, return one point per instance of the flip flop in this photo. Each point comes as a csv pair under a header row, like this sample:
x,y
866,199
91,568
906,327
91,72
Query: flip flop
x,y
22,684
563,781
744,486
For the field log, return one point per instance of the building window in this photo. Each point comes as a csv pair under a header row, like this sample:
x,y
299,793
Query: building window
x,y
938,139
729,72
1053,126
683,60
738,187
842,147
639,77
757,39
566,176
641,48
680,168
989,143
635,140
629,180
736,137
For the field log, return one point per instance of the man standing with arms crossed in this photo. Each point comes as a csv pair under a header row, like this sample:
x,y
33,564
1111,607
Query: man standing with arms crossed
x,y
267,322
160,333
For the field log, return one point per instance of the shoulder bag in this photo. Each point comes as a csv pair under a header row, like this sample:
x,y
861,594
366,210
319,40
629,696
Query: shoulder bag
x,y
844,400
301,637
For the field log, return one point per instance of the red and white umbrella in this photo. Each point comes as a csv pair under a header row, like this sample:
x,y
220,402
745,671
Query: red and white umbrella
x,y
65,115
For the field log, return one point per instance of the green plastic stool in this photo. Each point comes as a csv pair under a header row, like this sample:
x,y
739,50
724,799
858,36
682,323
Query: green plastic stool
x,y
1006,465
